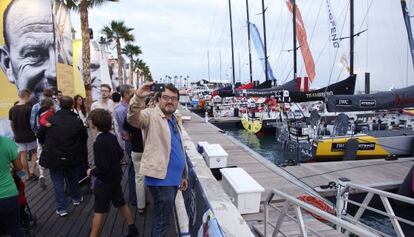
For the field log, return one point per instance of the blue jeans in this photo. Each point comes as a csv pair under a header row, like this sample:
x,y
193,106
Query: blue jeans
x,y
72,177
164,201
10,216
132,196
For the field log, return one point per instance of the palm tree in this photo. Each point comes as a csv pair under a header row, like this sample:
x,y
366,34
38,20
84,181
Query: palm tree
x,y
82,7
143,70
130,51
147,73
117,30
139,64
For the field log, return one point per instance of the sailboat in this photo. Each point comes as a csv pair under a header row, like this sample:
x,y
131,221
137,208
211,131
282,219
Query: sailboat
x,y
384,141
291,91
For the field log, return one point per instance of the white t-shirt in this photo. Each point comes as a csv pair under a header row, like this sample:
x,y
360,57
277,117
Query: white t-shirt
x,y
100,105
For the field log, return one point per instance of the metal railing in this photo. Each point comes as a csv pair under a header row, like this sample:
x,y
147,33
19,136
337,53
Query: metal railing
x,y
299,206
342,202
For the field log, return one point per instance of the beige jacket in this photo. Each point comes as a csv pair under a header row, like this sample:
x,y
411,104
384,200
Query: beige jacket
x,y
156,136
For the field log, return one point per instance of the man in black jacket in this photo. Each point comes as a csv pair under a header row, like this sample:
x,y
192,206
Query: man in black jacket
x,y
64,151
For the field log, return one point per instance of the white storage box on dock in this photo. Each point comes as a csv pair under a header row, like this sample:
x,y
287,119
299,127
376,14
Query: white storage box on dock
x,y
186,118
200,146
243,189
215,156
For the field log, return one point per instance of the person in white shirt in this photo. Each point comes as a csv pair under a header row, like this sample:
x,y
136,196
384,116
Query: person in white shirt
x,y
104,102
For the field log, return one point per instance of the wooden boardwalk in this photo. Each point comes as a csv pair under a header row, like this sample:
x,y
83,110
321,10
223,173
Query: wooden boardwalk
x,y
79,220
297,180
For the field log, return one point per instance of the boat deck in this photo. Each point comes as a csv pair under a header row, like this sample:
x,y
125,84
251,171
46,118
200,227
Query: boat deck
x,y
389,133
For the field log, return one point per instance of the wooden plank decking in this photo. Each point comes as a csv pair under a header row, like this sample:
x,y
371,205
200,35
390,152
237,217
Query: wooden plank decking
x,y
79,220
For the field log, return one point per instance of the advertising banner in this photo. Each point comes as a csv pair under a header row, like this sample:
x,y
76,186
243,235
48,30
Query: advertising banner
x,y
35,39
99,68
202,220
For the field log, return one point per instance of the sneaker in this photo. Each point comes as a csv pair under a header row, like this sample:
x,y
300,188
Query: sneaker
x,y
132,231
62,213
42,182
77,202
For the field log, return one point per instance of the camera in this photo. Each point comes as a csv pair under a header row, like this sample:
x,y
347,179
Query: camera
x,y
158,87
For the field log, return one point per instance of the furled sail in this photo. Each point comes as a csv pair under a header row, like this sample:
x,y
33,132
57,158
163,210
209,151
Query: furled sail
x,y
258,44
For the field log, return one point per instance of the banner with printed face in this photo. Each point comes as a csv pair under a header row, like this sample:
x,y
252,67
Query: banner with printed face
x,y
35,36
64,50
99,68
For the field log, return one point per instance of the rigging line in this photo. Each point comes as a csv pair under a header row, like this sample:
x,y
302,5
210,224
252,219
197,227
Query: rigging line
x,y
217,39
411,7
281,54
212,24
288,76
282,46
406,65
339,74
317,20
367,46
350,168
274,33
365,16
313,31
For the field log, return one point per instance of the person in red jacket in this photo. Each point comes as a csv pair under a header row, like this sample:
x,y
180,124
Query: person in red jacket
x,y
47,110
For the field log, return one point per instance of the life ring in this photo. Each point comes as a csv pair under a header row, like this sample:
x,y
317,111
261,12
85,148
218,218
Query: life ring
x,y
318,203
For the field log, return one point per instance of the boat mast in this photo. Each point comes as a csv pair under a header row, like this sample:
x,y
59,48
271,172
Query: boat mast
x,y
208,64
295,63
264,39
220,63
248,37
407,21
232,45
351,30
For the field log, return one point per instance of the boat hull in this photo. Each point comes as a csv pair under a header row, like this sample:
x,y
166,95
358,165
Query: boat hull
x,y
369,147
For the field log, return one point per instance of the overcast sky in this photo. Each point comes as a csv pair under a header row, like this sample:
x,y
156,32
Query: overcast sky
x,y
177,35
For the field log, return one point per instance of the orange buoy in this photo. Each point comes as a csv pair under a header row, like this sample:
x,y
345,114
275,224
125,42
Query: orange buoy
x,y
318,203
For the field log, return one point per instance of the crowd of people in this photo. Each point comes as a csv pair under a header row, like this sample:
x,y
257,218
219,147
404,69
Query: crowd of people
x,y
129,127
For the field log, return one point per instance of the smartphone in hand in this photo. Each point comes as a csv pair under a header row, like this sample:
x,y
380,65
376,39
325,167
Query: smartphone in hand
x,y
157,87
